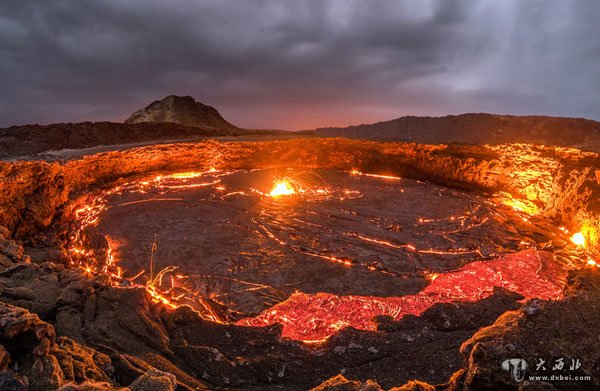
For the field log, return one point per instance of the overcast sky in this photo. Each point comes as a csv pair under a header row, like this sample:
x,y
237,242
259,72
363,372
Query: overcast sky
x,y
298,64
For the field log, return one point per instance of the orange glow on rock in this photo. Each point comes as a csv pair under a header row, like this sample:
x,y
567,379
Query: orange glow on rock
x,y
518,205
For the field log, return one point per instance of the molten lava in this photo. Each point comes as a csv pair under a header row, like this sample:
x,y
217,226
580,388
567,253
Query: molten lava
x,y
578,239
282,187
315,317
381,176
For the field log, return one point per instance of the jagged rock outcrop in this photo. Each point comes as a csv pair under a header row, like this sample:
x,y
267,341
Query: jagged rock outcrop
x,y
340,383
182,110
154,381
560,334
38,360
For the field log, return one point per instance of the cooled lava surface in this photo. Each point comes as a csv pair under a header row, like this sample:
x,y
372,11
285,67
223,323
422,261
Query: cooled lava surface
x,y
314,250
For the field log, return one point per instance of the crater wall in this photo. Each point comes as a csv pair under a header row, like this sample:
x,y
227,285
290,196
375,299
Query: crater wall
x,y
562,183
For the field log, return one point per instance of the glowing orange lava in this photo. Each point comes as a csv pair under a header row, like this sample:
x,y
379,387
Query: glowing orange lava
x,y
578,239
282,187
312,318
88,216
381,176
315,317
518,205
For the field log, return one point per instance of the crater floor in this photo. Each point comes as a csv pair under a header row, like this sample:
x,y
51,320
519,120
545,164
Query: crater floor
x,y
344,247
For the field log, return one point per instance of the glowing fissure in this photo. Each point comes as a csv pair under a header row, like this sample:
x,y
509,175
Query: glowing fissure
x,y
381,176
88,216
371,266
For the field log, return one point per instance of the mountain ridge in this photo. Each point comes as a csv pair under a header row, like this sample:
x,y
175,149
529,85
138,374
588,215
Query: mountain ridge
x,y
469,128
479,128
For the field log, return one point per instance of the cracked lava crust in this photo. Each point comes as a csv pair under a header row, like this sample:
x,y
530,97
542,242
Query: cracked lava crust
x,y
315,250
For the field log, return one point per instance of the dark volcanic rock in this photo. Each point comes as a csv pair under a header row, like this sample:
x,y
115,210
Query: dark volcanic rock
x,y
154,381
480,128
138,337
4,358
183,110
43,361
561,333
31,140
549,331
10,381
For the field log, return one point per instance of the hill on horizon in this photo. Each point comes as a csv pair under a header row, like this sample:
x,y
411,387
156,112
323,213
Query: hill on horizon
x,y
171,119
30,140
479,128
182,110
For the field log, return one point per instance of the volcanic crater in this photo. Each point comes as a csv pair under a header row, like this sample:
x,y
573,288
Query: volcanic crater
x,y
347,245
255,261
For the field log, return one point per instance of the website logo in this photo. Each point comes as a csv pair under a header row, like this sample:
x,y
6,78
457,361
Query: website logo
x,y
516,367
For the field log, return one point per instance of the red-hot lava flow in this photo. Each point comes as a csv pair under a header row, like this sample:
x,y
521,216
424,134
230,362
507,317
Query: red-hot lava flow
x,y
314,318
331,253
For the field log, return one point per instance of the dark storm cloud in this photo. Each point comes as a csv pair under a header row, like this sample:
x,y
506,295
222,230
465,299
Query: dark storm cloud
x,y
298,64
